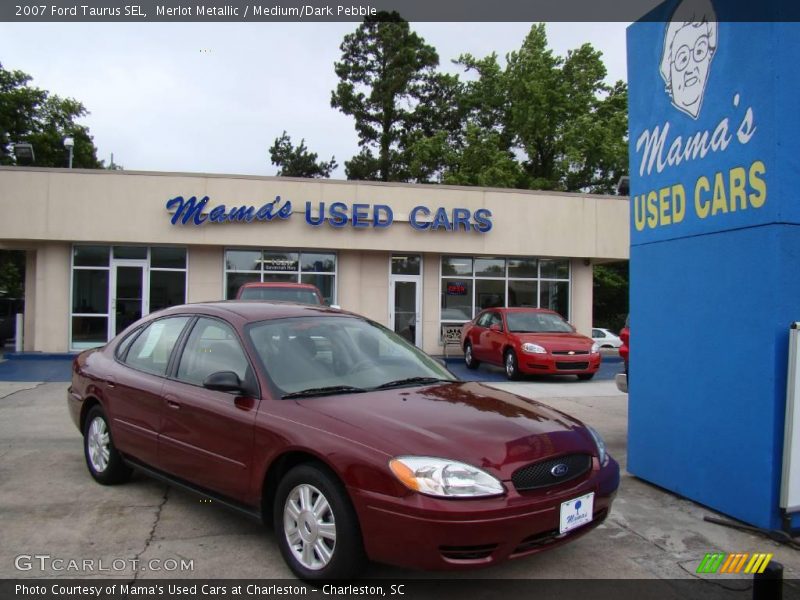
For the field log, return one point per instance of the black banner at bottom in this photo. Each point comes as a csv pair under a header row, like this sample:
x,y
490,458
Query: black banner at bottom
x,y
412,589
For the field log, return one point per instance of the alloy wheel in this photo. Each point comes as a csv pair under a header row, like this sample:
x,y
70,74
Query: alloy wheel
x,y
99,444
309,526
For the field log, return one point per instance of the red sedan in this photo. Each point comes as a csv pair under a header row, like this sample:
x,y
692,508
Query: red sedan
x,y
529,340
350,441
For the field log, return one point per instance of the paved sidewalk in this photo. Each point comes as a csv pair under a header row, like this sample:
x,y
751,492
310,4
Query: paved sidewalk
x,y
50,505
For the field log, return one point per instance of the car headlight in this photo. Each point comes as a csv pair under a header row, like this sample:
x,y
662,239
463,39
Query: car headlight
x,y
595,348
445,478
533,348
602,455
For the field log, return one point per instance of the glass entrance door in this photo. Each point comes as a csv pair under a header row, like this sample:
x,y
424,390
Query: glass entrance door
x,y
404,309
129,296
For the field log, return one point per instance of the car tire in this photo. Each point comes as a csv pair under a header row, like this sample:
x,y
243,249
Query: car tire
x,y
469,360
103,460
511,365
316,525
585,376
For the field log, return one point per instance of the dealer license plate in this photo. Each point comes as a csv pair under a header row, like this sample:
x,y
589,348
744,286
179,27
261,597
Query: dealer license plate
x,y
577,512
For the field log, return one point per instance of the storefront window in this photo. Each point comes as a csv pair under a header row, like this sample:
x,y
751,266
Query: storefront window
x,y
403,264
167,288
523,293
243,260
245,266
471,284
114,286
489,293
456,299
555,296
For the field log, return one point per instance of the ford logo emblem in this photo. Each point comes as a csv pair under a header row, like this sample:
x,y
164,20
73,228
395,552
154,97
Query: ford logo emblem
x,y
559,470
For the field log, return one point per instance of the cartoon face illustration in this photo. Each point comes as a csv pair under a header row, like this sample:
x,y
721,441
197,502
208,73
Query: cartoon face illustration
x,y
689,46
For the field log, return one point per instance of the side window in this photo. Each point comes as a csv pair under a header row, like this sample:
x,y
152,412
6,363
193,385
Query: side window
x,y
483,320
124,344
150,351
496,319
597,333
212,346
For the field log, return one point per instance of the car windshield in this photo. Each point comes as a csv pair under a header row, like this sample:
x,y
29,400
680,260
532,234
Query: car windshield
x,y
536,322
284,294
320,356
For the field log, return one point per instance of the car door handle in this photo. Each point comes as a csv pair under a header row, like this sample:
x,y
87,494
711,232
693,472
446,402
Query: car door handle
x,y
110,382
172,404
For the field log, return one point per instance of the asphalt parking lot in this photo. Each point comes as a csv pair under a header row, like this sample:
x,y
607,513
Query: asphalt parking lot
x,y
50,505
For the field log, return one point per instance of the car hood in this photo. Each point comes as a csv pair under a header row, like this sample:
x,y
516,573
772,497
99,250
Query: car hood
x,y
557,341
470,422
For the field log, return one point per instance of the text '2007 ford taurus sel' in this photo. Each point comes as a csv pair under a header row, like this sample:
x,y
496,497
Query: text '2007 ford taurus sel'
x,y
353,443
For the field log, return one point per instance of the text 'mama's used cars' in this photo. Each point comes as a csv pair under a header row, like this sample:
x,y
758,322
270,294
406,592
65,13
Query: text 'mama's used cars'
x,y
534,341
353,443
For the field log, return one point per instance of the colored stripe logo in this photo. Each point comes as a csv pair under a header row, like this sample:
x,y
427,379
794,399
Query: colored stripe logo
x,y
737,562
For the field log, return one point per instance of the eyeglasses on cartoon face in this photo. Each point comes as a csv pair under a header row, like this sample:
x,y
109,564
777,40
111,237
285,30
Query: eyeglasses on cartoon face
x,y
698,52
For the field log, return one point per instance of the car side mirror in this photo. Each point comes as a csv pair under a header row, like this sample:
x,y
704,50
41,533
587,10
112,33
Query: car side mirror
x,y
224,381
495,327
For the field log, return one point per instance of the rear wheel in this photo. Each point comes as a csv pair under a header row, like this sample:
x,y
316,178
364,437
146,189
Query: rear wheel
x,y
585,376
102,458
469,359
316,526
512,366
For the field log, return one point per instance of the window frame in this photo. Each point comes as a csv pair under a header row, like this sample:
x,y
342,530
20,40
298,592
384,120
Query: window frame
x,y
122,358
253,387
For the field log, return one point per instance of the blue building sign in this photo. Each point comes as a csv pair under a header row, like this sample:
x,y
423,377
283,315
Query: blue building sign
x,y
191,211
715,242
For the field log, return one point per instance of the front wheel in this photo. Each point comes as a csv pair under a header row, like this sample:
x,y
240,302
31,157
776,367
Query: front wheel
x,y
469,359
102,458
512,367
316,526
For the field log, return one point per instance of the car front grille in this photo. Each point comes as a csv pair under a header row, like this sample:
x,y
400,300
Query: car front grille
x,y
539,475
570,352
572,366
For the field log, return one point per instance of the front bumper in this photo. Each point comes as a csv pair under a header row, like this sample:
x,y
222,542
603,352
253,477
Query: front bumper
x,y
550,364
422,532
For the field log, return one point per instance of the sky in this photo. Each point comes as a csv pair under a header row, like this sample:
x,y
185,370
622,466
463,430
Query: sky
x,y
212,97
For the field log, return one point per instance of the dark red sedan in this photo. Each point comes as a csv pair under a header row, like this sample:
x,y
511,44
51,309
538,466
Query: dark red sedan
x,y
529,340
353,443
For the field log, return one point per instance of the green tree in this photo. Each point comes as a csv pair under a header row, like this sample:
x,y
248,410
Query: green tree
x,y
563,117
297,161
29,114
385,70
552,116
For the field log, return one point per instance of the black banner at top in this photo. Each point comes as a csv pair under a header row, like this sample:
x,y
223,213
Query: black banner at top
x,y
142,11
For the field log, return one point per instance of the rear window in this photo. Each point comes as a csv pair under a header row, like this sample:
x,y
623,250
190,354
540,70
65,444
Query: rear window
x,y
301,296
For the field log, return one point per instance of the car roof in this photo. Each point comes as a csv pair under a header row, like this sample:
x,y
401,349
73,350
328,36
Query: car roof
x,y
278,284
515,309
253,310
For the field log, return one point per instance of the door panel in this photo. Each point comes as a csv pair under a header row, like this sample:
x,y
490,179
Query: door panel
x,y
207,436
135,386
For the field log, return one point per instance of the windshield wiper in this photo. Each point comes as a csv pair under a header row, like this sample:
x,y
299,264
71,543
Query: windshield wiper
x,y
325,391
410,381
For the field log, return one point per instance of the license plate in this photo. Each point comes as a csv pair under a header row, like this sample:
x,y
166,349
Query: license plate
x,y
576,512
